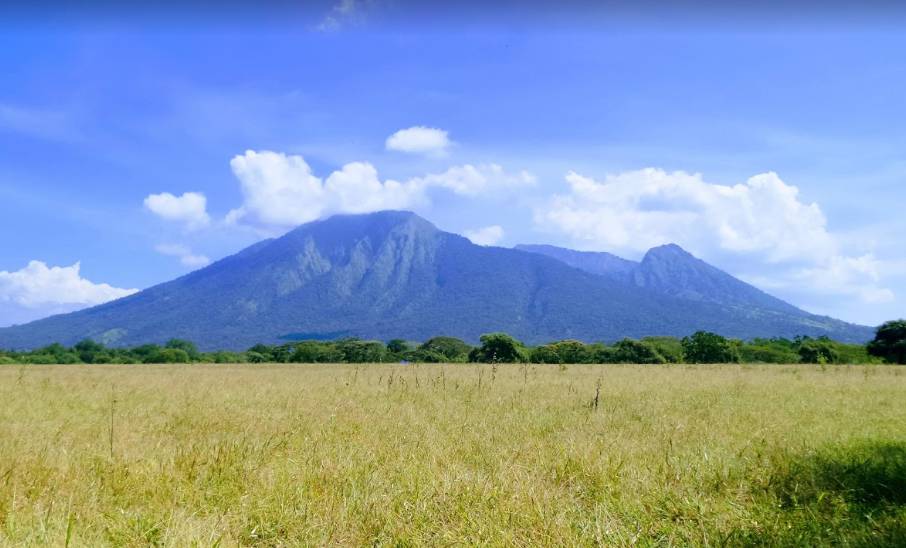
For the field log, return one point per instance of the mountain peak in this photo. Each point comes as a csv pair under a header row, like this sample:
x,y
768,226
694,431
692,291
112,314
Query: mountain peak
x,y
393,274
668,251
345,227
388,218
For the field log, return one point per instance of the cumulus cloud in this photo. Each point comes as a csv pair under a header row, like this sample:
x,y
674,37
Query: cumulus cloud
x,y
469,180
853,276
488,235
190,208
38,285
278,189
419,140
281,190
762,218
356,189
640,209
184,253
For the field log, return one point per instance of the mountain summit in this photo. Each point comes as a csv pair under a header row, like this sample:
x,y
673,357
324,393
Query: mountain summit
x,y
394,274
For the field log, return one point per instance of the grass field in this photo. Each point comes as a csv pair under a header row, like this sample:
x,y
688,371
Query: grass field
x,y
454,454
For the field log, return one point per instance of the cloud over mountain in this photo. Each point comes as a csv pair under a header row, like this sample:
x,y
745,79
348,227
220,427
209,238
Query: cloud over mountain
x,y
282,190
488,235
763,218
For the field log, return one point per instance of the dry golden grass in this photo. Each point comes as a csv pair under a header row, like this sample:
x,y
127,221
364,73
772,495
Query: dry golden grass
x,y
453,454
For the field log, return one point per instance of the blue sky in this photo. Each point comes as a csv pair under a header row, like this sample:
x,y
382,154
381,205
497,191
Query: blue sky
x,y
773,148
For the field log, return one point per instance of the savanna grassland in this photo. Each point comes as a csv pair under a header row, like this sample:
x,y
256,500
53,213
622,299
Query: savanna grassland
x,y
452,454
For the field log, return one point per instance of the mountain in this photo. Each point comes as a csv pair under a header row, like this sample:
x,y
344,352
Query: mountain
x,y
603,263
393,274
671,270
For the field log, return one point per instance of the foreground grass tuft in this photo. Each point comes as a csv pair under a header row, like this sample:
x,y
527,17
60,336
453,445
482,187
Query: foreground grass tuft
x,y
525,455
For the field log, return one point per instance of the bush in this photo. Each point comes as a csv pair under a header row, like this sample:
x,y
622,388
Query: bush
x,y
890,342
545,354
453,349
818,351
499,348
706,347
670,348
632,351
359,351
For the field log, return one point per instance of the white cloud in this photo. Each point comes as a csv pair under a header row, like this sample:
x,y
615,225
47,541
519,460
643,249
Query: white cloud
x,y
278,189
488,235
853,276
185,254
640,209
190,208
469,180
356,189
763,218
281,190
38,285
344,11
420,140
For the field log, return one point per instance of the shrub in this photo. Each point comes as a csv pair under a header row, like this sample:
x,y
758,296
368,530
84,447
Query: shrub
x,y
451,348
890,342
706,347
632,351
499,348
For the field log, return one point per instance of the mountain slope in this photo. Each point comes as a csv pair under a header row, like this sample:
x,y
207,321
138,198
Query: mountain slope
x,y
393,274
595,262
671,271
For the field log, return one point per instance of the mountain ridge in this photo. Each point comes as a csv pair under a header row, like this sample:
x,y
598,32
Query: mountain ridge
x,y
394,274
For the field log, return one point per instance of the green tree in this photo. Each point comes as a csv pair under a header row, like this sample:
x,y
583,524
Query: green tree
x,y
451,348
499,348
262,352
91,352
632,351
256,357
890,342
397,346
359,351
186,346
706,347
669,347
769,351
817,351
174,355
225,356
601,353
546,353
420,355
572,351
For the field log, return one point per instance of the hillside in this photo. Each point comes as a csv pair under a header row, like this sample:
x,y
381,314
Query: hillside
x,y
393,274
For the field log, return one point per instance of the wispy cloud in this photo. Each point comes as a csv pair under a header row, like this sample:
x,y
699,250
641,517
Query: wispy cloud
x,y
343,13
42,123
184,253
488,235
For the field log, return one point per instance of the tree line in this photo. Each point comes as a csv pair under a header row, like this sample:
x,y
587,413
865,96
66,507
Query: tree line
x,y
889,345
